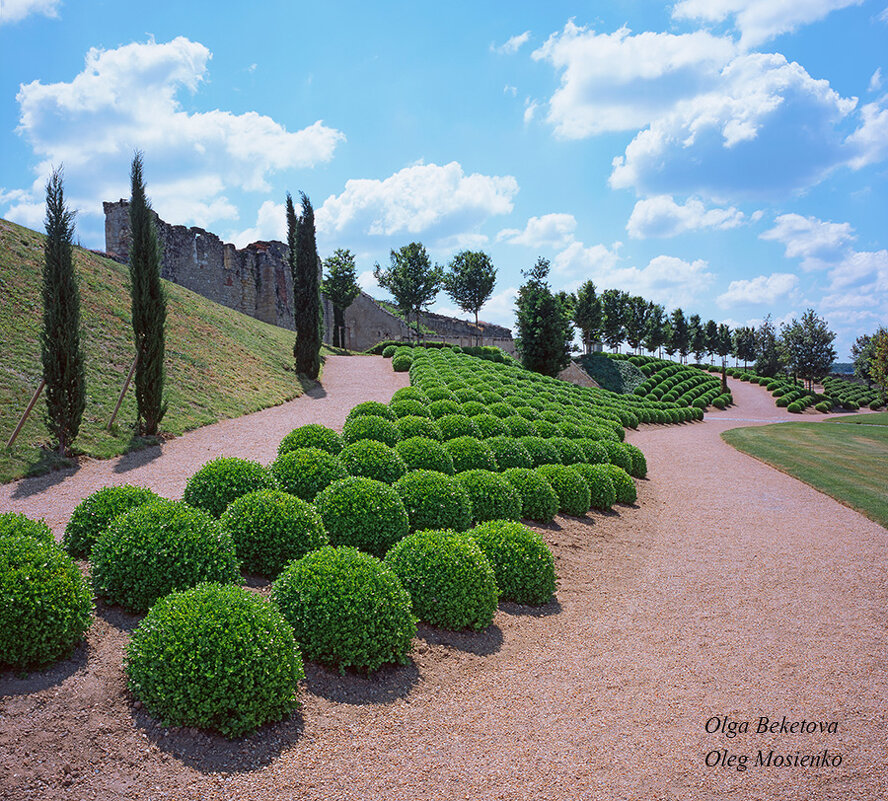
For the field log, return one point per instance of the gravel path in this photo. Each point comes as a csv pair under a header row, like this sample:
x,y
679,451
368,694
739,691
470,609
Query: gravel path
x,y
730,590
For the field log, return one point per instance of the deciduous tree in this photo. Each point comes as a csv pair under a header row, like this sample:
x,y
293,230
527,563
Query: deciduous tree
x,y
807,344
587,314
412,279
613,306
469,282
341,287
544,323
768,361
680,333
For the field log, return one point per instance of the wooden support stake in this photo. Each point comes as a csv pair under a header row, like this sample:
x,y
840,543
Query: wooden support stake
x,y
21,423
123,391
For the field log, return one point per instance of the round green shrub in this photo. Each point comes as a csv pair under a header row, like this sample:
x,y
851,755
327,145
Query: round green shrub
x,y
347,609
159,547
372,459
418,427
388,351
618,455
402,362
638,468
875,404
410,393
14,524
409,408
270,528
824,406
795,407
450,580
46,605
850,405
521,560
214,657
304,473
370,426
545,429
422,453
492,496
457,425
570,487
473,408
440,408
602,493
501,410
569,450
623,484
594,450
470,453
488,425
222,480
363,513
436,393
93,514
517,426
541,451
539,500
434,500
509,452
312,435
372,408
719,402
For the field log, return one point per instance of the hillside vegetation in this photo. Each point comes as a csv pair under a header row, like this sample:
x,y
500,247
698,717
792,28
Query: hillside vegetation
x,y
219,363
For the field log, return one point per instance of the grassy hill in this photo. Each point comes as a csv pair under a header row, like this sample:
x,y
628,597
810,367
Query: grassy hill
x,y
219,363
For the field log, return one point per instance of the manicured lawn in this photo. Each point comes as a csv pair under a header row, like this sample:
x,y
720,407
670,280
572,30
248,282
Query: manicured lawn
x,y
874,419
848,463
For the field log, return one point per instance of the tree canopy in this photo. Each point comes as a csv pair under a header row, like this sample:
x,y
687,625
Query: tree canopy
x,y
470,280
545,331
587,314
341,287
303,256
807,346
412,279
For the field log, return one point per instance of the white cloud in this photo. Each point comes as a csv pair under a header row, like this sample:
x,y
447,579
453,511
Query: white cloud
x,y
762,289
512,45
759,20
508,89
661,216
127,99
869,143
271,224
16,10
875,82
367,282
621,82
578,260
530,107
428,200
548,231
862,267
500,309
815,242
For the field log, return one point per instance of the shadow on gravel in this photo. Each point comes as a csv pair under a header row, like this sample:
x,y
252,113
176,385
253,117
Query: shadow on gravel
x,y
117,617
209,752
35,681
314,390
383,686
32,486
139,455
520,610
480,643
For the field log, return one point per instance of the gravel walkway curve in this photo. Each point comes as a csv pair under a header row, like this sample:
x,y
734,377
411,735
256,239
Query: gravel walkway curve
x,y
730,590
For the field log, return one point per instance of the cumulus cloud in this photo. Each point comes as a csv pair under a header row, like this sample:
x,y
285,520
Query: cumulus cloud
x,y
759,20
875,82
548,231
437,202
512,45
127,99
869,143
815,242
530,108
271,224
762,289
661,216
16,10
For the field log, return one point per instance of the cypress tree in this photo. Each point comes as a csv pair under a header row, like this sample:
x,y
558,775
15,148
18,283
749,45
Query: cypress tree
x,y
60,350
303,257
149,306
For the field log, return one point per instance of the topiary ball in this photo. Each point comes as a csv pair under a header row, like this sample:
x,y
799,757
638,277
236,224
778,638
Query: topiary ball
x,y
488,425
538,500
421,453
93,514
457,425
312,435
402,362
409,408
215,657
371,426
417,427
304,473
623,484
639,463
270,528
347,609
470,453
570,487
14,524
522,562
434,500
492,496
410,393
517,426
222,480
602,493
618,455
373,408
509,452
363,513
46,605
372,459
159,547
388,351
450,580
444,406
541,451
569,450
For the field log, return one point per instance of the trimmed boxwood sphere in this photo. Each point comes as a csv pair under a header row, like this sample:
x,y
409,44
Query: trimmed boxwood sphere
x,y
374,408
222,480
270,528
470,453
402,362
410,393
569,450
488,425
409,408
372,459
422,453
411,426
509,452
370,426
159,547
312,435
363,513
522,562
445,406
541,451
602,493
623,484
517,426
14,524
570,486
492,496
214,657
457,425
347,609
594,451
93,514
450,580
46,605
639,463
304,473
434,500
538,500
618,455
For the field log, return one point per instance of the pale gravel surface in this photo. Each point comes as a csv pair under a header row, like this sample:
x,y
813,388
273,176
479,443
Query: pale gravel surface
x,y
731,589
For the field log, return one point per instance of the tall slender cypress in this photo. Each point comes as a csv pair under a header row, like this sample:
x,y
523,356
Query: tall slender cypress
x,y
149,306
306,287
60,349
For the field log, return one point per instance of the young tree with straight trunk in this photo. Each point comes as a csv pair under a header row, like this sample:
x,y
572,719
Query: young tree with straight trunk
x,y
744,344
680,334
60,348
587,314
303,259
613,313
711,338
807,344
469,282
879,362
768,361
655,336
637,311
341,287
697,333
544,326
412,280
861,355
149,306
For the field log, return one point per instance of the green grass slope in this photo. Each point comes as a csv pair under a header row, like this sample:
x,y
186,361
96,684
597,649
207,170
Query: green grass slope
x,y
611,374
219,363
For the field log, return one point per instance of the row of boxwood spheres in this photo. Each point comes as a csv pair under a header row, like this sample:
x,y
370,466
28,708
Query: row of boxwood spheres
x,y
788,393
678,383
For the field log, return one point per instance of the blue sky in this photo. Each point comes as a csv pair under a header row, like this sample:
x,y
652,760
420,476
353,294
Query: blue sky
x,y
726,156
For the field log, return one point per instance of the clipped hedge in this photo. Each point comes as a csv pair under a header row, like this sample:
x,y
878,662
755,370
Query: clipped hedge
x,y
434,501
412,426
541,451
602,493
492,496
422,453
372,408
470,453
539,501
371,426
307,471
623,484
14,524
454,426
222,480
93,514
373,459
509,452
312,435
570,487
